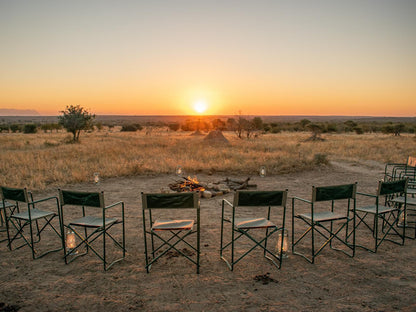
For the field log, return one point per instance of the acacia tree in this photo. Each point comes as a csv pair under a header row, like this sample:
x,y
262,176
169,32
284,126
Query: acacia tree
x,y
74,119
316,130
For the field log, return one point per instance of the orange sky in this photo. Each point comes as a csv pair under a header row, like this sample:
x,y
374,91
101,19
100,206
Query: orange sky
x,y
158,57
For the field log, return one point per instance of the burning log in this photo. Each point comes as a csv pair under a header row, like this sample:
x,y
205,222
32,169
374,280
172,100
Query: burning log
x,y
208,190
187,185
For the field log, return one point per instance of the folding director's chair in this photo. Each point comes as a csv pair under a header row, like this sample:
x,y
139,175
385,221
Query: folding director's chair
x,y
170,232
18,219
390,205
329,223
94,216
257,217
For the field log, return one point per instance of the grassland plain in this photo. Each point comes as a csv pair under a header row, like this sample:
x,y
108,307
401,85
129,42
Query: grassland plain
x,y
42,160
368,282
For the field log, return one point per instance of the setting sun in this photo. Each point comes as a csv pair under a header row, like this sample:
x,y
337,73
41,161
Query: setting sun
x,y
200,106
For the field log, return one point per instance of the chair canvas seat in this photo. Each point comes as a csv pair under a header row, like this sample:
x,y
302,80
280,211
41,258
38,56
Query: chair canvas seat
x,y
373,209
34,214
92,221
323,216
400,200
250,223
166,224
6,204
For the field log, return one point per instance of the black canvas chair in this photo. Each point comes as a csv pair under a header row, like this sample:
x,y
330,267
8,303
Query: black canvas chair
x,y
390,204
251,212
166,232
399,171
91,220
25,222
329,222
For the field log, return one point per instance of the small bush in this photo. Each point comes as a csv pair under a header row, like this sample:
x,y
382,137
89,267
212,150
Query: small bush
x,y
4,128
15,128
50,144
358,130
276,130
30,128
174,126
131,128
320,159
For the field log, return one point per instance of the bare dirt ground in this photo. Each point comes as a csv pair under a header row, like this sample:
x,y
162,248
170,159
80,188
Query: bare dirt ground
x,y
385,281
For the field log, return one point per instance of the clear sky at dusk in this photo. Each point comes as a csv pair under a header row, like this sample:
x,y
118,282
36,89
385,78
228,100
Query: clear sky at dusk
x,y
333,57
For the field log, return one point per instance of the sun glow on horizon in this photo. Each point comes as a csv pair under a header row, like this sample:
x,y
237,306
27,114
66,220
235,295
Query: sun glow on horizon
x,y
200,106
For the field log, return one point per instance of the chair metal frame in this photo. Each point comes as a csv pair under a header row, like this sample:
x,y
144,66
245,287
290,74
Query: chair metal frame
x,y
316,220
410,212
389,212
3,226
179,230
240,227
100,225
13,200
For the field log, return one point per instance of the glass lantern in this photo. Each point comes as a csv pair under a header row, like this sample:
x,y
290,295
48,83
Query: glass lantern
x,y
96,178
262,171
282,243
70,241
179,171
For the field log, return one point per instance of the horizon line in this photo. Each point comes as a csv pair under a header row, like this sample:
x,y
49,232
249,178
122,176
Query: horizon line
x,y
225,115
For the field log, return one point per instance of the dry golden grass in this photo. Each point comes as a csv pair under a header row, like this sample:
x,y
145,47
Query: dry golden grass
x,y
43,160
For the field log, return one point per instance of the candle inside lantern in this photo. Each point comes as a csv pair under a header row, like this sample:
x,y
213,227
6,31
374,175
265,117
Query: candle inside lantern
x,y
402,221
96,178
282,243
70,240
262,171
179,170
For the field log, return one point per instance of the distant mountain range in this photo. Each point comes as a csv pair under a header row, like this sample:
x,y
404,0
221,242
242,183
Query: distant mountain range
x,y
18,112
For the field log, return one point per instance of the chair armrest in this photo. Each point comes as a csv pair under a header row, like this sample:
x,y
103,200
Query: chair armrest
x,y
301,199
115,204
33,202
227,202
365,194
43,200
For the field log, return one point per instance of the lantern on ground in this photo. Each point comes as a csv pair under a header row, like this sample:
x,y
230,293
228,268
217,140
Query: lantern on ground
x,y
70,240
96,178
262,171
282,243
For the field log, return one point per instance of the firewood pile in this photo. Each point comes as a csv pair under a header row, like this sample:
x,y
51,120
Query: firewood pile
x,y
208,190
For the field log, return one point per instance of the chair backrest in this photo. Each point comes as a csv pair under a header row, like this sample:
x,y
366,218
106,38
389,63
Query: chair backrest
x,y
89,199
335,192
392,187
14,194
170,200
260,198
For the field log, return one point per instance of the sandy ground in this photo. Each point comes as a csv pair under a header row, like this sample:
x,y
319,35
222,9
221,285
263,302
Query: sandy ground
x,y
385,281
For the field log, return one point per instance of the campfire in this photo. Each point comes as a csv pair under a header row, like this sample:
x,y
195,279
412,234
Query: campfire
x,y
208,190
188,184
